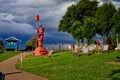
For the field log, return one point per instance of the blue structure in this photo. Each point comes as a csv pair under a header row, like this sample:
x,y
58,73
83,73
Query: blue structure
x,y
11,43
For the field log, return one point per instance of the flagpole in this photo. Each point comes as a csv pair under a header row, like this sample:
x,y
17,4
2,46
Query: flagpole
x,y
117,39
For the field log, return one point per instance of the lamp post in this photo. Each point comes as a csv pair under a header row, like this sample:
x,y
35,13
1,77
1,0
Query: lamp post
x,y
117,39
20,45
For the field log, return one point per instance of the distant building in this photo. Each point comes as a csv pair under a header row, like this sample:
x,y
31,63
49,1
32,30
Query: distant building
x,y
11,43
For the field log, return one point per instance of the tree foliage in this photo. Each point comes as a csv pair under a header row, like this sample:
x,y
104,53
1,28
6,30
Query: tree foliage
x,y
76,27
116,19
86,8
104,18
31,44
84,19
1,46
73,20
68,19
89,28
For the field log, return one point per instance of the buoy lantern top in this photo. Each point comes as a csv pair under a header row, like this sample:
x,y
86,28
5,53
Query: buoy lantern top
x,y
37,17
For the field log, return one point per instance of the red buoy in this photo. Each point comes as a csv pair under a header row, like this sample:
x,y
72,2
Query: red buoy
x,y
40,50
37,17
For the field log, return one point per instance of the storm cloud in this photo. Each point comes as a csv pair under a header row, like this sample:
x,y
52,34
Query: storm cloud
x,y
17,18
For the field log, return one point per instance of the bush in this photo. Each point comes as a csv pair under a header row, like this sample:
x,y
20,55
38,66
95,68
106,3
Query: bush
x,y
1,47
112,43
31,44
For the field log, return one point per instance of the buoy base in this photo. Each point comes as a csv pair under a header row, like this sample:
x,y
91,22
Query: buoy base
x,y
39,51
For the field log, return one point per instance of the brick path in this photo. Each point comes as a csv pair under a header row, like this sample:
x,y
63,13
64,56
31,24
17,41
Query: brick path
x,y
11,73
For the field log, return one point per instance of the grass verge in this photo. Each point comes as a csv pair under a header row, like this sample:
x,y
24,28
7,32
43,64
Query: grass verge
x,y
6,55
64,66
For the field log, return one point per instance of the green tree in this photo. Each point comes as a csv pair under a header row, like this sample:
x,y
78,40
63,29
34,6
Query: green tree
x,y
104,18
89,28
31,44
116,27
86,8
77,30
73,20
116,18
68,19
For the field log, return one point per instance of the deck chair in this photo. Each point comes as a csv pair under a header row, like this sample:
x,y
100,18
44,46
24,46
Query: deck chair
x,y
85,50
105,47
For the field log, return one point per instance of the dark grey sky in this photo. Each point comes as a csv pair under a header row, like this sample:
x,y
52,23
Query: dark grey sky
x,y
17,18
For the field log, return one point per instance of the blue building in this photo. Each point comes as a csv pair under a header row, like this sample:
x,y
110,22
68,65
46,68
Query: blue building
x,y
11,43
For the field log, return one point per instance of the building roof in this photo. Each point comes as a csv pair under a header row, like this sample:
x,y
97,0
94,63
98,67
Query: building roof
x,y
11,39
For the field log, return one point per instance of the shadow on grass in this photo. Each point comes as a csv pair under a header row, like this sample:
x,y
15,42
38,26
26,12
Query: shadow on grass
x,y
115,74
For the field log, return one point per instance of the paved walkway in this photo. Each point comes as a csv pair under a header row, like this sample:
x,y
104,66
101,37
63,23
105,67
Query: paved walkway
x,y
11,73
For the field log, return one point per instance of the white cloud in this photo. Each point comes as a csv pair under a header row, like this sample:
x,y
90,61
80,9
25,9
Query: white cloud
x,y
22,10
117,3
6,17
55,14
32,3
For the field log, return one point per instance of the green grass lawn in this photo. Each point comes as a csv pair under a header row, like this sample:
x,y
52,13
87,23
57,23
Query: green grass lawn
x,y
64,66
6,55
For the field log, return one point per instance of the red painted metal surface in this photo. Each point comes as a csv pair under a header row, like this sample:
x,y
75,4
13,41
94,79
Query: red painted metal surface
x,y
37,17
40,50
97,43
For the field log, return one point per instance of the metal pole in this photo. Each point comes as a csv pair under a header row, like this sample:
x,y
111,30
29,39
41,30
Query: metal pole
x,y
117,39
20,45
21,61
